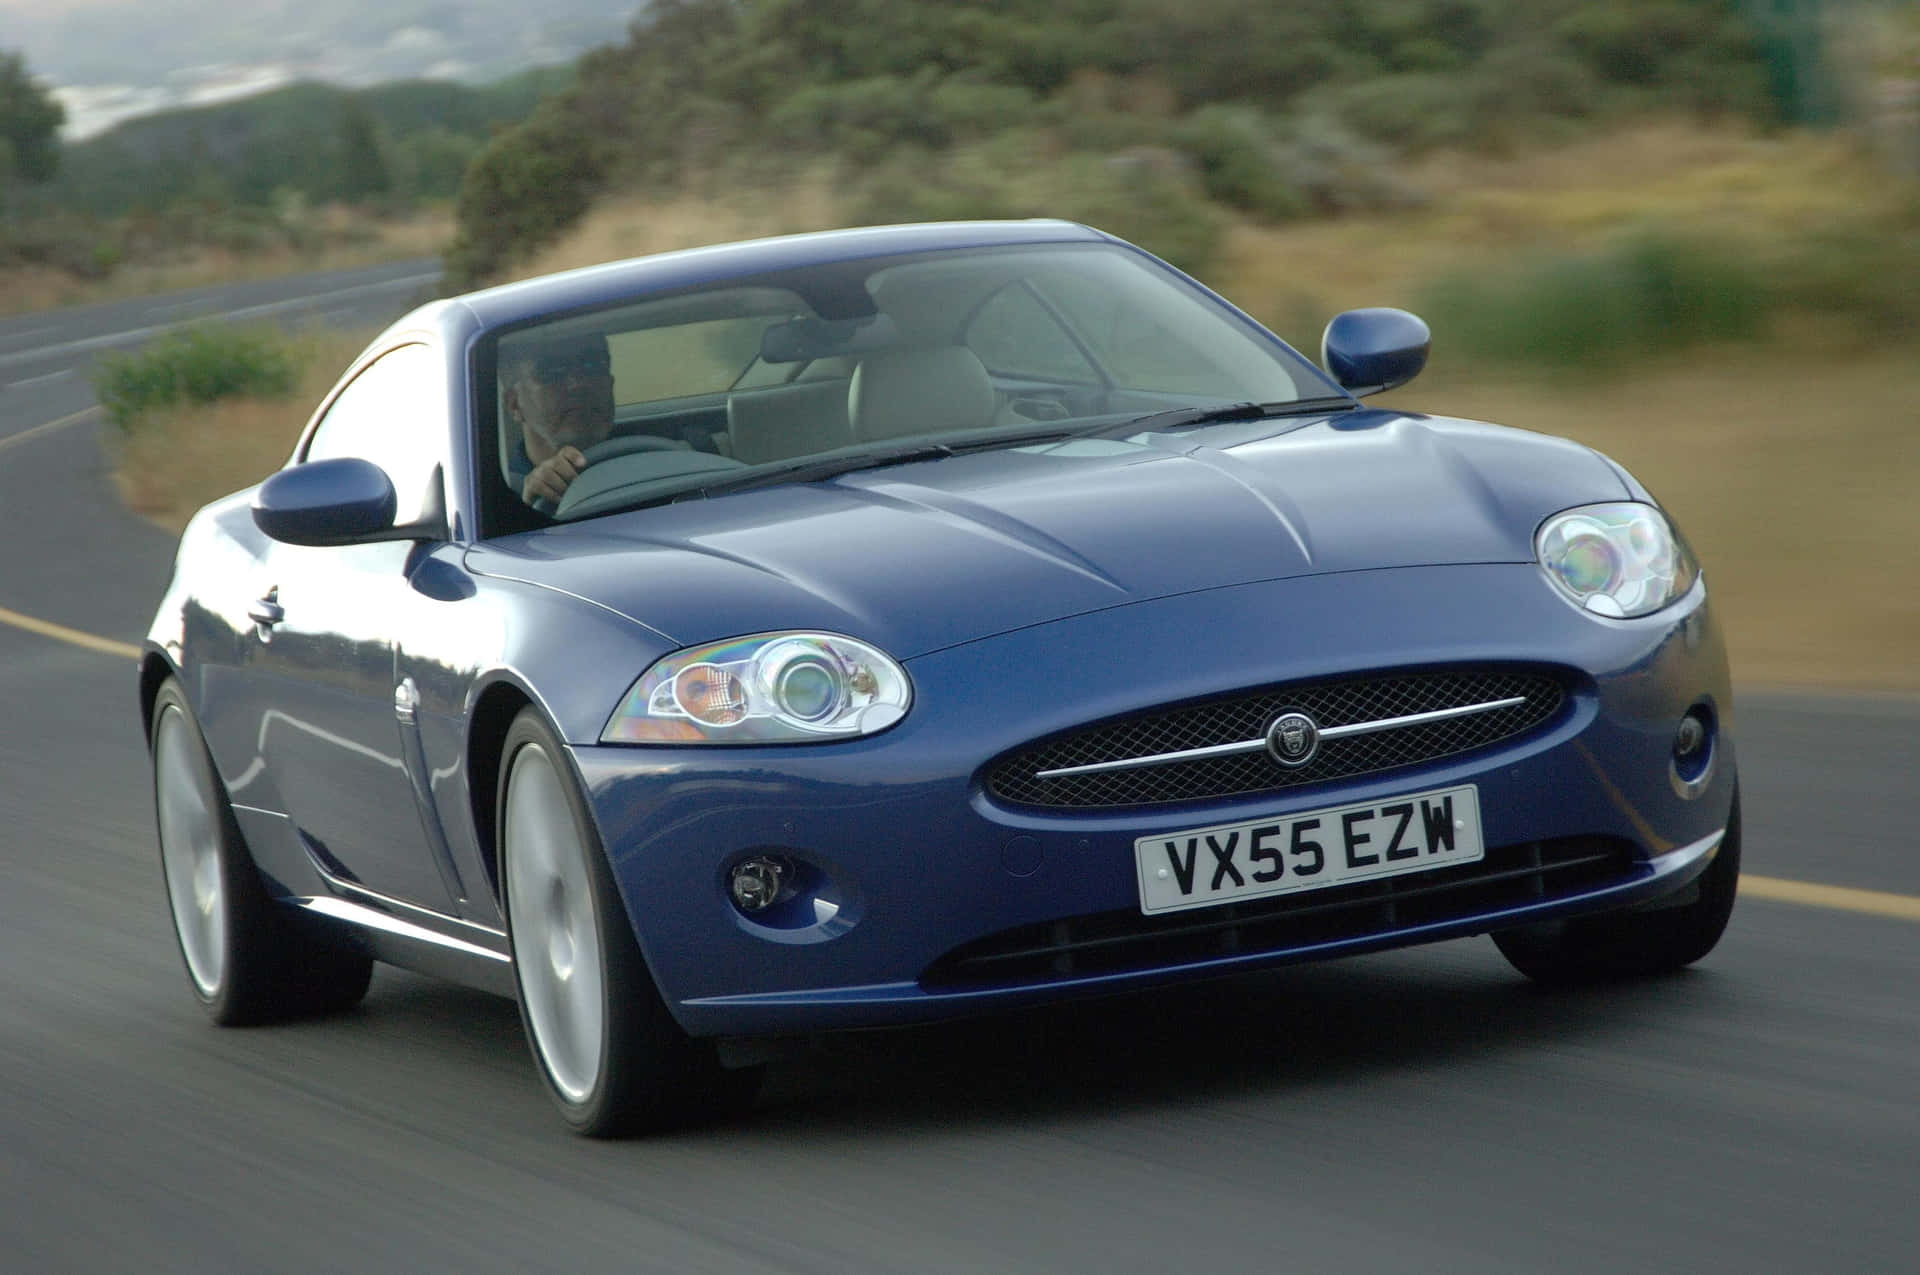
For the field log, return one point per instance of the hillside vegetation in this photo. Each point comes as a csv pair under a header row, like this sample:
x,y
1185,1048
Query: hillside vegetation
x,y
401,142
1152,119
302,177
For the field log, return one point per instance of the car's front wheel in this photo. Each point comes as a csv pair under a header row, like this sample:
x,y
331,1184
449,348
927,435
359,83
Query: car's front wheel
x,y
248,959
612,1057
1638,943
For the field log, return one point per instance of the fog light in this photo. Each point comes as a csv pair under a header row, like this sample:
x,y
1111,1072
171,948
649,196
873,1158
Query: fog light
x,y
755,883
1693,750
1691,737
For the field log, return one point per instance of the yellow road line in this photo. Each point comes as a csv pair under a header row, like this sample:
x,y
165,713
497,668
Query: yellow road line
x,y
73,418
1902,907
46,628
72,637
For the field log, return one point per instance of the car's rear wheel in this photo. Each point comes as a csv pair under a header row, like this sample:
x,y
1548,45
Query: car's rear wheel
x,y
248,960
611,1056
1633,944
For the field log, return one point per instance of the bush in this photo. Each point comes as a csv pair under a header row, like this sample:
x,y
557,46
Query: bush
x,y
1145,199
1335,170
1516,92
863,119
194,365
1238,166
1638,298
1145,195
1864,274
525,187
1414,110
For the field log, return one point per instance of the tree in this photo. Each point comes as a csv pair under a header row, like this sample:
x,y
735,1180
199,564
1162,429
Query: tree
x,y
30,122
363,173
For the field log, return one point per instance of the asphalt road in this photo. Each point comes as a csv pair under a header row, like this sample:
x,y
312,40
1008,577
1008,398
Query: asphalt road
x,y
1423,1110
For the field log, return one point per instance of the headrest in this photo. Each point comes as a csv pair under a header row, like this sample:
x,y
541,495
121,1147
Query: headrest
x,y
921,391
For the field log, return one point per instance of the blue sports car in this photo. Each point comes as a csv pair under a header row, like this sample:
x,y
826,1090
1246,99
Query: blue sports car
x,y
868,627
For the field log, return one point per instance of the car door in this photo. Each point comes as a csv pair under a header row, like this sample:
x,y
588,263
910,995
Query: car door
x,y
328,713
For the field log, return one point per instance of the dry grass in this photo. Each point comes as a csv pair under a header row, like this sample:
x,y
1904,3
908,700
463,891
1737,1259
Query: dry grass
x,y
181,458
352,241
1759,193
635,226
1794,478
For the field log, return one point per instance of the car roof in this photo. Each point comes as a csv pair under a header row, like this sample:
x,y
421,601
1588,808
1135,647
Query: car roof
x,y
666,272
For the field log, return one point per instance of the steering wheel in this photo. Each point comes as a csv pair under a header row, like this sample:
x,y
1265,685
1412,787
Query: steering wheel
x,y
627,445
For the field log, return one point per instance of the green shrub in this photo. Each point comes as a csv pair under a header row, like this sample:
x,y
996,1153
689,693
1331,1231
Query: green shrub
x,y
1415,110
862,120
1145,195
81,246
1335,170
1516,92
194,365
1865,274
1238,166
1144,199
526,186
1640,297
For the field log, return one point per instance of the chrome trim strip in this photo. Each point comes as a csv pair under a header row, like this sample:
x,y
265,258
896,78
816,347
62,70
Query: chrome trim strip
x,y
1256,745
1132,763
388,901
1681,856
373,919
1418,719
1688,789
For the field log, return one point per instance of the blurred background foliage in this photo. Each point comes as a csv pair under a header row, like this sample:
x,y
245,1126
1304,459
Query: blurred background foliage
x,y
286,174
1241,106
1193,128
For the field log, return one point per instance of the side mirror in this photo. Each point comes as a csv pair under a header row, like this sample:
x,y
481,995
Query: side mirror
x,y
343,501
1368,351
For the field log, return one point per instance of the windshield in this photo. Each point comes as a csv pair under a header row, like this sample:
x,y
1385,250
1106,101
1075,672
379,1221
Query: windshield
x,y
850,363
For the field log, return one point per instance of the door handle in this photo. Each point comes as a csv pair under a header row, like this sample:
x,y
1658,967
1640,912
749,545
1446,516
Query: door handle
x,y
406,698
267,612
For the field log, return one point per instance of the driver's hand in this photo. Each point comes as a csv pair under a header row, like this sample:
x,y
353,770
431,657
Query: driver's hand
x,y
550,478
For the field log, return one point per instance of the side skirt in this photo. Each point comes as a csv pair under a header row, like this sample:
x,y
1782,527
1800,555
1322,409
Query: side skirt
x,y
480,961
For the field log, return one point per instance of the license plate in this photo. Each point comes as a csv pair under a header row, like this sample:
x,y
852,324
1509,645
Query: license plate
x,y
1203,867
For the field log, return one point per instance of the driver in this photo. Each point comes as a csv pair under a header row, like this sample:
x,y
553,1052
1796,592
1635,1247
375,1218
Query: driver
x,y
560,393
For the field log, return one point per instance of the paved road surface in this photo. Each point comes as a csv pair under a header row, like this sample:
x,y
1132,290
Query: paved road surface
x,y
1421,1110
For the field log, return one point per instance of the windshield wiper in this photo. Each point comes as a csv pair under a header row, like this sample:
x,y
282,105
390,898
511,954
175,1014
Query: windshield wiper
x,y
1181,417
817,469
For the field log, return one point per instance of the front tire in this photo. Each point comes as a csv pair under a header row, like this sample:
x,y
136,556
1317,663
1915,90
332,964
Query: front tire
x,y
610,1054
1621,945
248,960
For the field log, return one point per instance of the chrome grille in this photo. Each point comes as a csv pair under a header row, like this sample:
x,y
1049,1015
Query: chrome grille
x,y
1020,777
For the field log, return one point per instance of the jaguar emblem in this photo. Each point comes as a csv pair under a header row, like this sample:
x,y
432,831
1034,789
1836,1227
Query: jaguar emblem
x,y
1293,739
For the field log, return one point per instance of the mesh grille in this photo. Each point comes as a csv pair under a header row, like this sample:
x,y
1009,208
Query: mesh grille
x,y
1226,721
1117,942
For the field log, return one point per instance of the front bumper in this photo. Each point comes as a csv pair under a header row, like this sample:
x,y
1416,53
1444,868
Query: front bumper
x,y
906,860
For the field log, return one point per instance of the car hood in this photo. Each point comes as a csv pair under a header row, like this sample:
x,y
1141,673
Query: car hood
x,y
922,556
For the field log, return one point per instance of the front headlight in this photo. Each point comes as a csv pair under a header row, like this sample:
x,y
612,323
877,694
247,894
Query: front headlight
x,y
771,688
1618,560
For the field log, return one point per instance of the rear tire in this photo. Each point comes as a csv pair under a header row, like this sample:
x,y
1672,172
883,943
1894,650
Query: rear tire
x,y
609,1052
249,959
1622,945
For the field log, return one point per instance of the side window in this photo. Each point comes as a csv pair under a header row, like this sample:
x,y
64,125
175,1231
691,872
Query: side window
x,y
394,414
1015,336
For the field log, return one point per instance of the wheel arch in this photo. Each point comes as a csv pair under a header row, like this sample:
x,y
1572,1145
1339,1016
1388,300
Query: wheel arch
x,y
493,712
155,669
